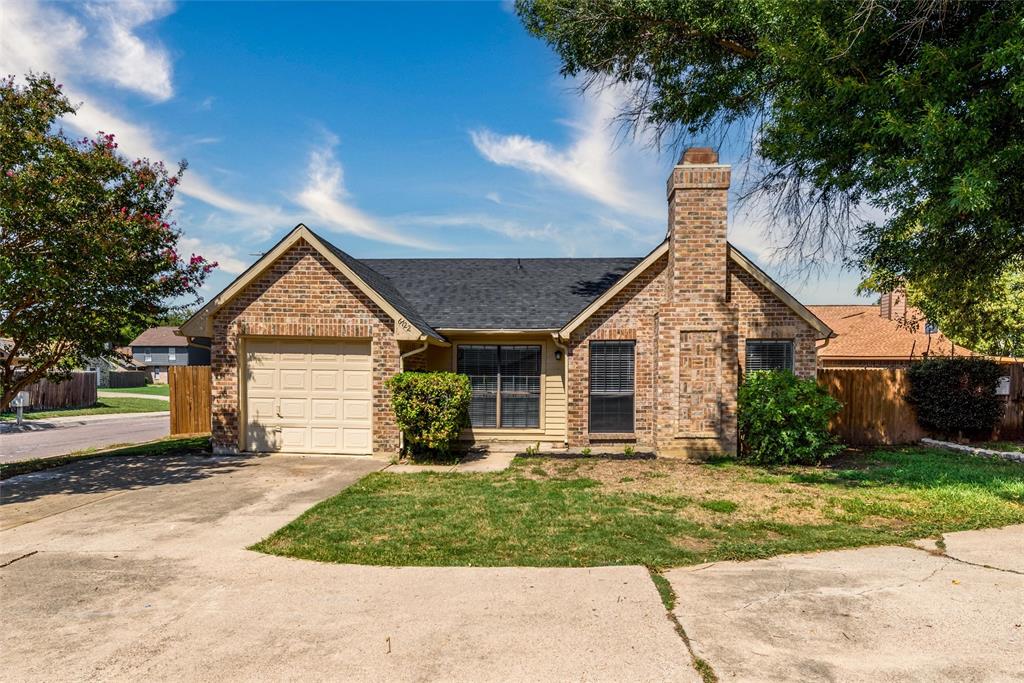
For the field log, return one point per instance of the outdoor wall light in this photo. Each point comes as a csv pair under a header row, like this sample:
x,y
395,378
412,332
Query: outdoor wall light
x,y
558,355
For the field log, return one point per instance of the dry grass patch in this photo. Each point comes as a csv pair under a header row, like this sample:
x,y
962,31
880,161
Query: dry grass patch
x,y
587,511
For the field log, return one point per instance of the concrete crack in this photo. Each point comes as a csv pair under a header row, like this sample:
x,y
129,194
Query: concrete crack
x,y
10,562
941,552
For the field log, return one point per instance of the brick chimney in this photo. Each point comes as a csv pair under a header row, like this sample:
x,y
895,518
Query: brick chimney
x,y
696,332
698,192
893,305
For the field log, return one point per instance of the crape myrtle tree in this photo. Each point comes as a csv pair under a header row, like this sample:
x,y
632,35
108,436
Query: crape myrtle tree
x,y
911,112
87,254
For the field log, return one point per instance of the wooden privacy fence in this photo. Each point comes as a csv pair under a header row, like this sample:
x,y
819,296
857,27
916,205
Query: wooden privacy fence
x,y
127,378
190,399
77,392
875,408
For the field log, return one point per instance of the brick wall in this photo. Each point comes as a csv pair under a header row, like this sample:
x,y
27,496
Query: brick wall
x,y
300,295
690,315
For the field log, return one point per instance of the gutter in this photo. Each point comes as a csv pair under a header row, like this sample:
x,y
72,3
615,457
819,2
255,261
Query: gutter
x,y
401,359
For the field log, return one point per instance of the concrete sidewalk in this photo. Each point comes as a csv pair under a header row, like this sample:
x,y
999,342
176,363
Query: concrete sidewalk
x,y
136,569
871,614
114,393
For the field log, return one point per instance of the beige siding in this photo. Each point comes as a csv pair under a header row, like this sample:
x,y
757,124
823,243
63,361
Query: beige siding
x,y
553,408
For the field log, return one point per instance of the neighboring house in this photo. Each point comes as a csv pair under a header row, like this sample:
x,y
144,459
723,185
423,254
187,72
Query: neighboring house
x,y
102,367
160,347
886,335
575,352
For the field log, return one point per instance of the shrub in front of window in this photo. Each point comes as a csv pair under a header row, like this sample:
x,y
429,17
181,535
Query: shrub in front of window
x,y
431,408
956,396
784,419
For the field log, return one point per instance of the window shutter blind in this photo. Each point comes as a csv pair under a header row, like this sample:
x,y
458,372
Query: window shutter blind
x,y
769,355
612,379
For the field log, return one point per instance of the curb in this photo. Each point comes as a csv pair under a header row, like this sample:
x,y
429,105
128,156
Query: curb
x,y
1013,456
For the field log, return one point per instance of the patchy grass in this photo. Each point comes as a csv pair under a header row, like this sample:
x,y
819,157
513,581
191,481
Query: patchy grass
x,y
665,590
658,513
179,446
104,406
149,389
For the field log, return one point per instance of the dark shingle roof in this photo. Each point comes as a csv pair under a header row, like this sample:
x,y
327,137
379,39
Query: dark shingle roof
x,y
383,286
506,293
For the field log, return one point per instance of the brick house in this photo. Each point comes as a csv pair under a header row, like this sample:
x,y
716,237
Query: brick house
x,y
566,352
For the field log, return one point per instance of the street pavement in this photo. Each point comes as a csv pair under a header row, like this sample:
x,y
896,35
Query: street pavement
x,y
59,436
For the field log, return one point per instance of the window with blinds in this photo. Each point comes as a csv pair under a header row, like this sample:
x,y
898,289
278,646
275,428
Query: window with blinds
x,y
763,354
505,382
612,370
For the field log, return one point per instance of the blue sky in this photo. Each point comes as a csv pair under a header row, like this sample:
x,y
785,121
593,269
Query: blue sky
x,y
393,129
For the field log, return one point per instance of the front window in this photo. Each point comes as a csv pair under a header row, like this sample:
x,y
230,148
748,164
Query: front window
x,y
149,354
506,384
170,353
763,354
612,378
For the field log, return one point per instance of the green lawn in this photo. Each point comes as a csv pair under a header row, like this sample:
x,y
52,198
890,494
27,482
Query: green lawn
x,y
660,513
104,406
1006,446
171,446
149,389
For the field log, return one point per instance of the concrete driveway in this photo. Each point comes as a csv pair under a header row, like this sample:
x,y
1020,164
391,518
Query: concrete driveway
x,y
63,435
873,614
136,569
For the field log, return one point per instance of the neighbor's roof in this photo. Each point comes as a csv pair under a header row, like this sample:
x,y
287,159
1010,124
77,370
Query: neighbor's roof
x,y
501,293
861,332
160,336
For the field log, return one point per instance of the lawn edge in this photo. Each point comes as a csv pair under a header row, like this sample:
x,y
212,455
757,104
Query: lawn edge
x,y
669,600
14,469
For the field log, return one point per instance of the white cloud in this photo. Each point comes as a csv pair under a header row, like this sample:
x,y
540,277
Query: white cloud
x,y
325,196
592,165
100,44
493,197
227,257
508,228
122,56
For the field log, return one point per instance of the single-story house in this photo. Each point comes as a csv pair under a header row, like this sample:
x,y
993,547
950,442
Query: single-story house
x,y
160,347
883,335
645,351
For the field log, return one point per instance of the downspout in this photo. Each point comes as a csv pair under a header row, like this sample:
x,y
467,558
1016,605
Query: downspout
x,y
401,368
817,361
565,358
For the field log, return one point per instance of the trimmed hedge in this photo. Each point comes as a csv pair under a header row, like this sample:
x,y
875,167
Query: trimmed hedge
x,y
956,396
431,408
784,419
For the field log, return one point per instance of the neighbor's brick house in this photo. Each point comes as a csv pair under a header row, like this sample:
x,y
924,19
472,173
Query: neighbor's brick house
x,y
565,352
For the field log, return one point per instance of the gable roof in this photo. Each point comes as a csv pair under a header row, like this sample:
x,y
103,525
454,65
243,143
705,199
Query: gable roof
x,y
862,333
160,336
437,295
390,300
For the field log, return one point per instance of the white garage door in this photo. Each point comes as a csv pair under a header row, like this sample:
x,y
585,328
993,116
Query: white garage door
x,y
308,397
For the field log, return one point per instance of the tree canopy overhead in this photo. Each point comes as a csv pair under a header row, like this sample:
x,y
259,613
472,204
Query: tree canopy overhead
x,y
88,255
914,109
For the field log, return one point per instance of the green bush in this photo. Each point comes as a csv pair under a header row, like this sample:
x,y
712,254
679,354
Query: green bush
x,y
956,396
784,419
431,408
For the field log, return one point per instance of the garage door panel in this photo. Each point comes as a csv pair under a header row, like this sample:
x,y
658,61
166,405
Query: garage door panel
x,y
356,380
326,380
356,411
309,396
356,440
294,409
326,438
294,379
325,409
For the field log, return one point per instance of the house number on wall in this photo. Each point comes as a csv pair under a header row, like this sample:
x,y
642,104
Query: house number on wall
x,y
403,324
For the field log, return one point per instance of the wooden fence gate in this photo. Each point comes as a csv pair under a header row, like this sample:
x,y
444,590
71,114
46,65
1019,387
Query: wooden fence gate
x,y
190,399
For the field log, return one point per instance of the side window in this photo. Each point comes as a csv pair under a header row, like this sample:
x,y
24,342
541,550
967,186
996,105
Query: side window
x,y
170,353
149,354
612,370
769,354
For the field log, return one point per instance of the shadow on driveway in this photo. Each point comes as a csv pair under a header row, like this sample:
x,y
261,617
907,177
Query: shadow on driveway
x,y
113,474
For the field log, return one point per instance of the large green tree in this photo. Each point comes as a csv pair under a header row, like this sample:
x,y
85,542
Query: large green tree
x,y
87,253
911,111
